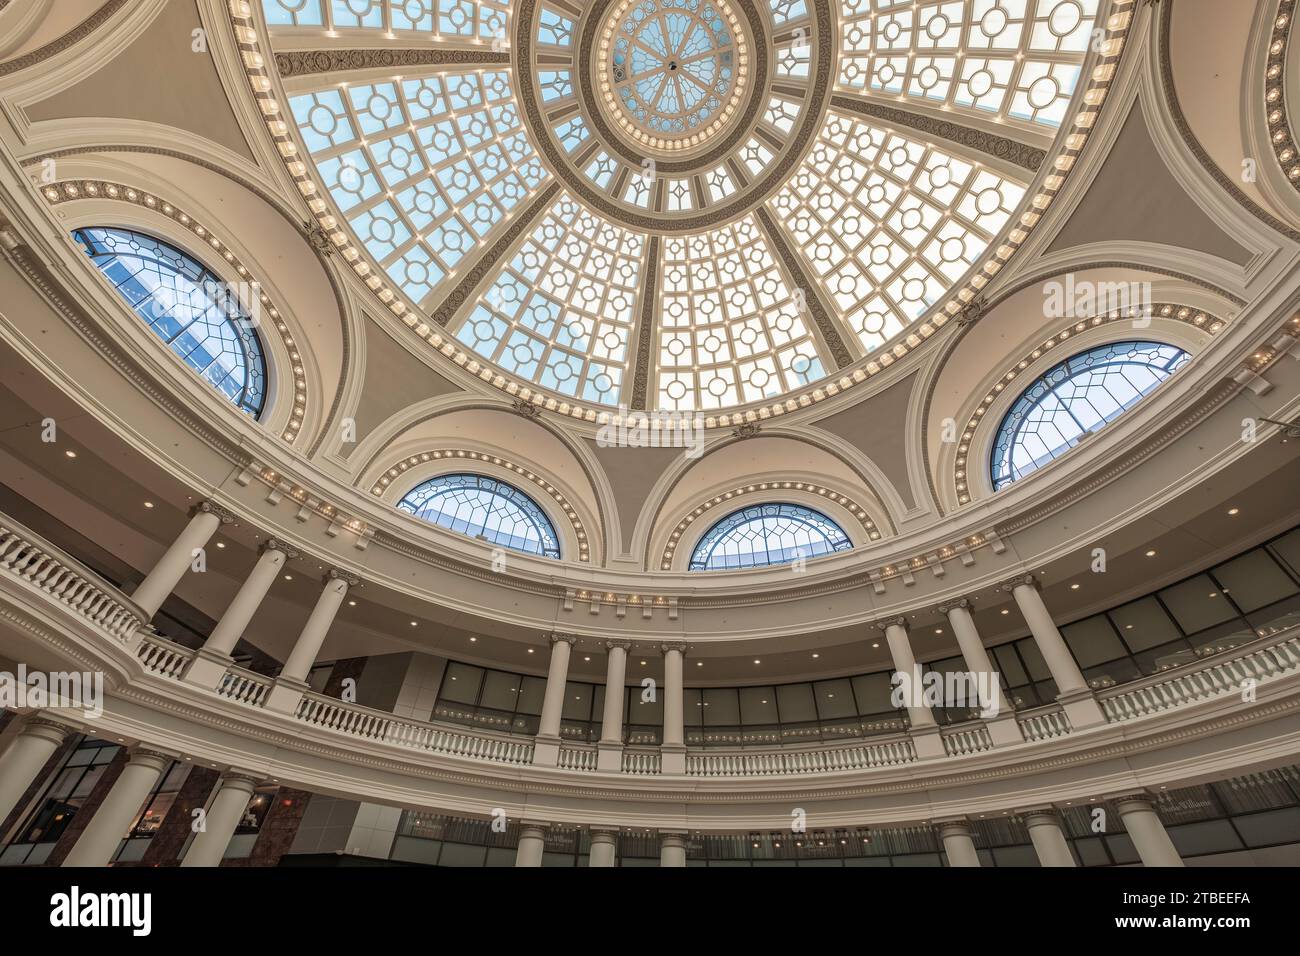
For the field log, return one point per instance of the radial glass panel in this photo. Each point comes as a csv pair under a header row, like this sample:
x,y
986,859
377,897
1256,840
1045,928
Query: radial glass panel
x,y
765,535
482,507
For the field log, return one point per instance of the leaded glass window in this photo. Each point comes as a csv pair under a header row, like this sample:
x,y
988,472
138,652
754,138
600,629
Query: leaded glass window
x,y
483,507
198,316
763,535
1073,399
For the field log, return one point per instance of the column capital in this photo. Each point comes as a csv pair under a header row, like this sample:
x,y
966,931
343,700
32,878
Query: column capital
x,y
672,838
556,638
240,780
141,754
1040,816
212,508
1132,800
1020,580
347,577
679,647
36,725
956,826
275,544
949,605
885,625
603,834
625,645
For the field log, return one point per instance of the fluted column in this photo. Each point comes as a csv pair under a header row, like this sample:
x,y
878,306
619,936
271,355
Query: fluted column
x,y
213,658
672,753
1072,690
99,841
609,757
672,848
925,731
291,684
171,567
1148,834
1002,726
219,823
1045,833
603,844
532,844
958,843
23,759
546,749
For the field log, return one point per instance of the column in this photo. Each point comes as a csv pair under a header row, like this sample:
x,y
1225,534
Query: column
x,y
1002,726
958,843
292,682
924,732
99,841
672,753
546,748
223,816
672,848
1072,690
213,658
167,573
1146,831
603,843
1044,828
609,756
23,759
532,844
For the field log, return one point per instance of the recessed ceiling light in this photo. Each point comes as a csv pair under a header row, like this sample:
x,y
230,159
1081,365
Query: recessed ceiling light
x,y
643,663
70,453
1006,610
938,630
1151,554
288,577
757,661
586,658
352,604
148,504
415,624
221,544
1074,587
1234,511
530,650
473,640
875,643
815,656
699,663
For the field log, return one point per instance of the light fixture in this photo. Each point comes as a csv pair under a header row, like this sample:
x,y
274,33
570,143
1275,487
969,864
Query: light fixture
x,y
1234,511
1074,587
352,604
757,661
415,624
938,630
221,544
1006,610
531,650
70,453
875,643
1151,554
815,656
148,504
473,640
586,658
288,577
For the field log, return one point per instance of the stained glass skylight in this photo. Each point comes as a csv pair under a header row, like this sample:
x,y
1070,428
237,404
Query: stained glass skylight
x,y
483,507
768,534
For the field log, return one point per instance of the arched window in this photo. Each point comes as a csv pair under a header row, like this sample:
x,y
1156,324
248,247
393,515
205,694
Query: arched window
x,y
187,306
767,534
484,508
1074,398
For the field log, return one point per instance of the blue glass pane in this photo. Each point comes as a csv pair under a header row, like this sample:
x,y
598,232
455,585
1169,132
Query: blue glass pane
x,y
1074,398
200,317
484,507
767,534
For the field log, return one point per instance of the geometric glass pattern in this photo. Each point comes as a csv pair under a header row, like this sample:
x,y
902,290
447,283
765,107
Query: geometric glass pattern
x,y
560,312
1073,399
464,19
888,223
672,65
198,316
731,329
1016,60
477,506
423,169
768,534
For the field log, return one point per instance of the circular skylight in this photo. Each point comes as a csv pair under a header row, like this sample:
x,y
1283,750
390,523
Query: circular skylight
x,y
680,205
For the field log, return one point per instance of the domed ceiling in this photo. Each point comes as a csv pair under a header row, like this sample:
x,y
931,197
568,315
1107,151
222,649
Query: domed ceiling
x,y
680,205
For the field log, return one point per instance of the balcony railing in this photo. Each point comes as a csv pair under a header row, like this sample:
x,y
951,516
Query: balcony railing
x,y
752,763
160,656
967,739
31,558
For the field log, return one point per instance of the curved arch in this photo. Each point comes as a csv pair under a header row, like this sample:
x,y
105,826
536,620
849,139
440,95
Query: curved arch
x,y
478,506
1075,397
762,535
197,315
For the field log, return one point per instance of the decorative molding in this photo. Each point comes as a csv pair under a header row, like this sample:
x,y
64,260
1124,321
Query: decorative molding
x,y
453,455
66,191
776,487
1000,147
1280,133
74,36
275,544
337,574
645,348
291,63
211,507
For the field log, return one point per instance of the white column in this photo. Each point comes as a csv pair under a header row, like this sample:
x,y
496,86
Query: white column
x,y
672,753
209,846
1072,689
532,844
672,849
1147,832
289,687
925,731
1002,726
546,748
609,757
99,841
603,843
23,759
171,567
213,658
1045,833
958,843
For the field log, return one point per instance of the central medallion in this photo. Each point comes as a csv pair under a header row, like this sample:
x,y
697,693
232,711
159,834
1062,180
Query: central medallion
x,y
673,73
